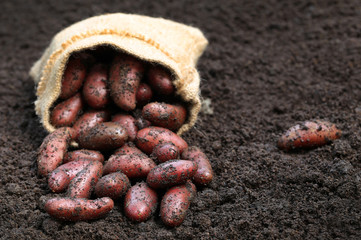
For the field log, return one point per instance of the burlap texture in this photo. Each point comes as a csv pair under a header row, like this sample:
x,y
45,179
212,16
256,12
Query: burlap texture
x,y
173,45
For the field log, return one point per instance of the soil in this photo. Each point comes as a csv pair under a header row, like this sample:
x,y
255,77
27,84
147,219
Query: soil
x,y
269,65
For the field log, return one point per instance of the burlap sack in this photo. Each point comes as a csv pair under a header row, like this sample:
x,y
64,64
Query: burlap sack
x,y
173,45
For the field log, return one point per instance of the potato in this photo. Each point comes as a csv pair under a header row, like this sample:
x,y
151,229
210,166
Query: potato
x,y
82,185
128,148
173,172
76,209
144,94
113,185
165,152
73,78
135,165
65,113
125,75
53,149
60,178
95,91
175,204
128,122
309,134
142,123
83,154
204,173
104,136
148,138
140,202
89,120
160,80
165,115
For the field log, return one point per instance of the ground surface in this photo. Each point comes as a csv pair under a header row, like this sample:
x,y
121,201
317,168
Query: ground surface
x,y
269,65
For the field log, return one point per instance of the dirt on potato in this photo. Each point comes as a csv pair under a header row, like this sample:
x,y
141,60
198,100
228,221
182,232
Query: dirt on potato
x,y
269,65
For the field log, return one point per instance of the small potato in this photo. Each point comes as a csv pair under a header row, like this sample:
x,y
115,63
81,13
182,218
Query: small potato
x,y
148,138
204,173
165,151
83,154
309,134
104,136
53,149
95,91
89,120
175,204
128,122
135,165
113,185
142,123
144,94
160,80
65,113
173,172
77,209
125,75
82,185
73,78
60,178
140,202
165,115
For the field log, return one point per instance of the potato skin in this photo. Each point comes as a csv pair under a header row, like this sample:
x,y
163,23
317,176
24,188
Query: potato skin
x,y
65,113
308,134
165,115
60,178
77,209
52,150
83,154
170,173
113,185
128,122
125,75
175,204
140,202
144,94
142,123
128,148
160,80
148,138
104,136
89,120
204,173
73,78
95,91
82,185
165,151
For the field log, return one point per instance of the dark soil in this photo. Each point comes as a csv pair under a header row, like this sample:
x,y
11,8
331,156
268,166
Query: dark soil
x,y
269,65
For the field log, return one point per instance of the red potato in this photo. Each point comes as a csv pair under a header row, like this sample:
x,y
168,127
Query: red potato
x,y
82,185
95,91
135,165
83,154
52,150
125,75
173,172
160,80
142,123
144,94
309,134
65,113
128,148
77,209
148,138
128,122
60,178
73,78
89,120
175,204
113,185
204,173
165,115
140,202
165,151
104,136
